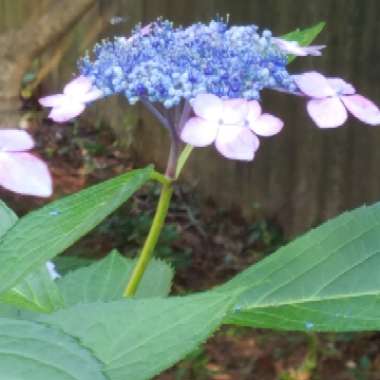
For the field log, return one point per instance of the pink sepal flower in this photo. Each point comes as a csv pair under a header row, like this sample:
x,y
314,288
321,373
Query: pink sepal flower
x,y
72,102
144,31
294,48
232,125
331,98
20,171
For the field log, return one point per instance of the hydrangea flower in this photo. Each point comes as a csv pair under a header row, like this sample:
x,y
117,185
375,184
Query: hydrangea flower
x,y
331,98
166,64
221,70
230,124
70,104
21,171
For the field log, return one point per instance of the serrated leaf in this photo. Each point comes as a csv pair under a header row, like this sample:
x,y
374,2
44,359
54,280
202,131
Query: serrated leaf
x,y
31,351
326,280
7,218
36,292
43,234
106,280
304,37
137,339
65,264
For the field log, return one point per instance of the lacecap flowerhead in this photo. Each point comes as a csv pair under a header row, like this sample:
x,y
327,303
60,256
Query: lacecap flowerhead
x,y
166,64
167,67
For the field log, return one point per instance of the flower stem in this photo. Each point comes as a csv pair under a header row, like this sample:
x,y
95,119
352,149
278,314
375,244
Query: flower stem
x,y
171,174
152,239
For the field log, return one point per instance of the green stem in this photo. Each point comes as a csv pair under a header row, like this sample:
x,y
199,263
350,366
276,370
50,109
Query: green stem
x,y
310,361
151,241
160,178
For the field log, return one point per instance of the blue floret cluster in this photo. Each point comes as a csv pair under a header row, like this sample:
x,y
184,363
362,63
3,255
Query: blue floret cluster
x,y
168,64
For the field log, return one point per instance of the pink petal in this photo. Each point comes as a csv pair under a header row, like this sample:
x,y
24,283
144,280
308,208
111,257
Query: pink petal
x,y
362,108
293,47
66,112
267,125
199,132
234,111
236,142
341,87
313,50
254,111
52,100
92,95
25,174
327,113
78,87
15,140
208,106
146,29
314,84
143,32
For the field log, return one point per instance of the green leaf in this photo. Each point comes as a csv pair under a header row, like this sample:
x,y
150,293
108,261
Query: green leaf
x,y
106,279
137,339
304,37
36,292
45,233
7,218
65,264
31,351
9,311
326,280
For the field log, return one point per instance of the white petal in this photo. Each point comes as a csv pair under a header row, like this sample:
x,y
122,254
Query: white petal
x,y
207,106
53,100
25,174
92,95
236,142
267,125
15,140
234,111
254,111
67,112
199,132
314,84
293,47
341,87
327,113
362,108
78,87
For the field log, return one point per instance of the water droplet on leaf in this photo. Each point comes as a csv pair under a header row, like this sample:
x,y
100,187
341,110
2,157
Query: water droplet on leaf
x,y
309,325
237,308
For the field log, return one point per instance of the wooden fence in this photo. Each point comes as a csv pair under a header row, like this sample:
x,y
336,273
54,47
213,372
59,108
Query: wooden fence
x,y
299,178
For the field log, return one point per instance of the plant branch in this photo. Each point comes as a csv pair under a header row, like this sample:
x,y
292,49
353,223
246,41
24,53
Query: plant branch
x,y
156,113
166,191
171,167
152,239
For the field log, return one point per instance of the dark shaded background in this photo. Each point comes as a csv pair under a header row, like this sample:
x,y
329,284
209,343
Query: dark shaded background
x,y
305,175
299,178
